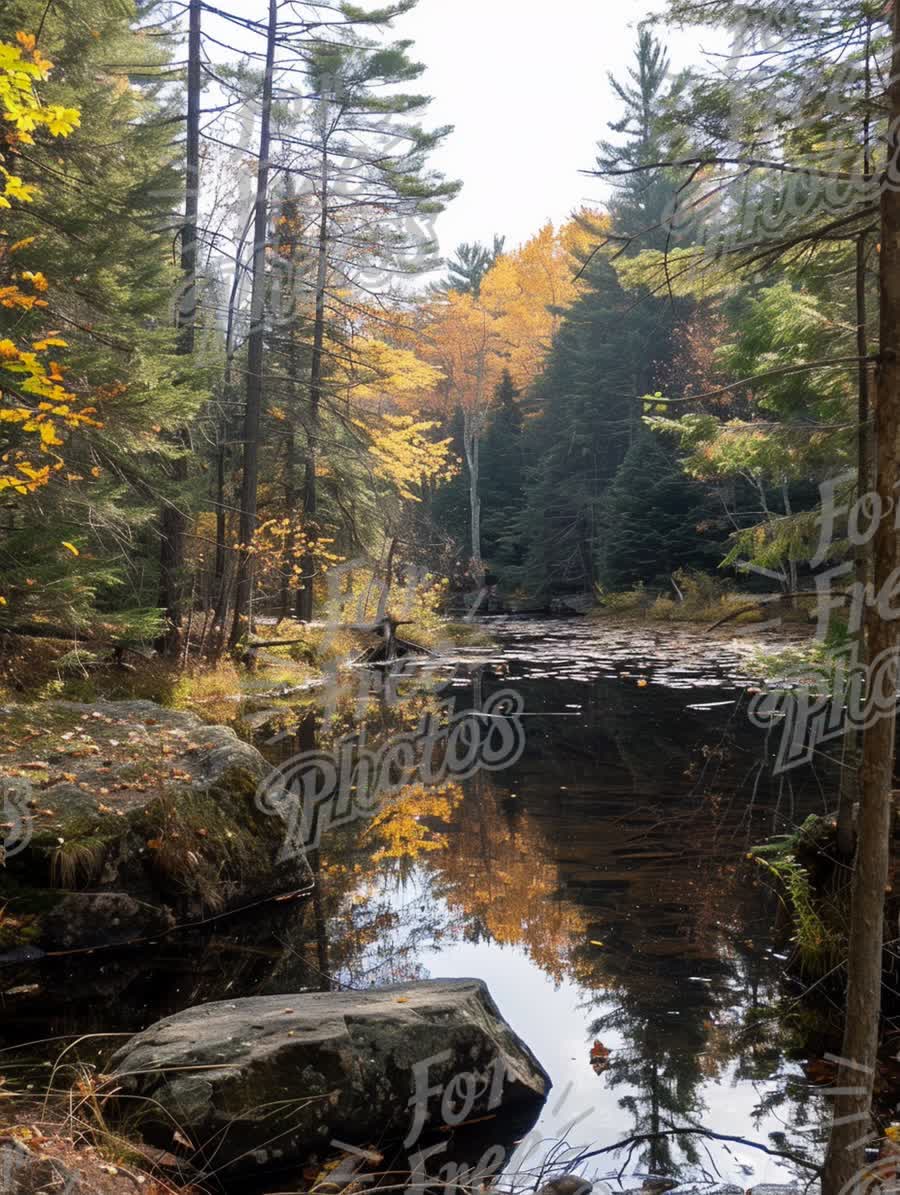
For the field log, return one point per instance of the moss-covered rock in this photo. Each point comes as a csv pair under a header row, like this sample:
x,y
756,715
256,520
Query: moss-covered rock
x,y
130,818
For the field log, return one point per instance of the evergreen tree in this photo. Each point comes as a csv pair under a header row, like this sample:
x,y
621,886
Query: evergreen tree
x,y
586,413
450,504
651,518
643,196
468,266
102,227
502,475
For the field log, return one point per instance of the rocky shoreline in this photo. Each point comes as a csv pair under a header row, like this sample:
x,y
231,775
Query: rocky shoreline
x,y
123,819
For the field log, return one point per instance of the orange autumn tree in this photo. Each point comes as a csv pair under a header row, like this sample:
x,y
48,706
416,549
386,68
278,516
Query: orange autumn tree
x,y
463,340
509,325
33,400
527,290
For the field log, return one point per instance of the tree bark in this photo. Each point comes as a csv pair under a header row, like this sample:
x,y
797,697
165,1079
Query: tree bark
x,y
218,583
844,1162
290,501
472,444
849,790
310,491
386,584
255,349
173,521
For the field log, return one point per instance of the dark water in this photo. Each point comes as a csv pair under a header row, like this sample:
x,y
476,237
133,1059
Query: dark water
x,y
598,884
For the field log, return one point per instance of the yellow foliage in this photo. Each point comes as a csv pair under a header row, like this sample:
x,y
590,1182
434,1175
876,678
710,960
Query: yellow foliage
x,y
399,825
281,549
526,292
386,371
32,396
511,324
405,456
20,67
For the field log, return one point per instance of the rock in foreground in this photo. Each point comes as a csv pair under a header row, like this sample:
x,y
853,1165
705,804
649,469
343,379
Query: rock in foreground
x,y
276,1078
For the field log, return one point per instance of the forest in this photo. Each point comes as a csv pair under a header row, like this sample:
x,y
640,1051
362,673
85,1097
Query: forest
x,y
283,475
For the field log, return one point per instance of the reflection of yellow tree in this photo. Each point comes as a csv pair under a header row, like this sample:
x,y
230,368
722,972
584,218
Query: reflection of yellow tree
x,y
400,828
497,872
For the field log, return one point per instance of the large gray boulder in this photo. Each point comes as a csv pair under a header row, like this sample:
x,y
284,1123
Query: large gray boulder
x,y
269,1080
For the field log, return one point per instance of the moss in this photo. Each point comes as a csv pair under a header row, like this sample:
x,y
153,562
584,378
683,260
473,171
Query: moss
x,y
70,851
136,814
204,843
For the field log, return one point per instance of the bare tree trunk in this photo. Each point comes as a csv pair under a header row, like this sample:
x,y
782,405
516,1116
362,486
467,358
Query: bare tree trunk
x,y
386,585
225,425
853,1099
310,493
221,524
256,347
472,444
173,521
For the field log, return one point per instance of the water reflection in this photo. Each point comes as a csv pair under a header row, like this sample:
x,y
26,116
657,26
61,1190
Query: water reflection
x,y
596,885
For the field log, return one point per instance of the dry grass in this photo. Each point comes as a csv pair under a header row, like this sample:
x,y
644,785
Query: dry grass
x,y
67,1132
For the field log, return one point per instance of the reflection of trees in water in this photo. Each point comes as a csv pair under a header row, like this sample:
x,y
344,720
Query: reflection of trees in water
x,y
660,1064
637,851
498,875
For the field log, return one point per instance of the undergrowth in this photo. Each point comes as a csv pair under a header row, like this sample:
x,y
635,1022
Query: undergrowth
x,y
816,907
699,598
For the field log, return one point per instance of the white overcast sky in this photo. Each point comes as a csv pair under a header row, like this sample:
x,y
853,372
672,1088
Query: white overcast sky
x,y
525,85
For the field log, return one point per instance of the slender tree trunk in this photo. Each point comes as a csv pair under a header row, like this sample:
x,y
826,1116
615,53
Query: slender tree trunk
x,y
849,791
173,521
310,492
290,501
221,525
853,1101
388,577
225,432
255,349
472,443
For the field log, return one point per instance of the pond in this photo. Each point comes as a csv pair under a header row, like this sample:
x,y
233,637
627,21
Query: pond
x,y
597,881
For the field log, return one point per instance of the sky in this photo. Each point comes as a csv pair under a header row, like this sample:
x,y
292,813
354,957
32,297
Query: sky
x,y
525,85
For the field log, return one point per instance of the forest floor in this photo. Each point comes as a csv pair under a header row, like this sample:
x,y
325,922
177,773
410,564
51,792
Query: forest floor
x,y
36,668
75,1153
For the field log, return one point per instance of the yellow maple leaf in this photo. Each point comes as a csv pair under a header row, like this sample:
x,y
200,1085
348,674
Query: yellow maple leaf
x,y
61,121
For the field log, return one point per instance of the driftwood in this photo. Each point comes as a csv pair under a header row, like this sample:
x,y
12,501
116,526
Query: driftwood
x,y
390,648
274,643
